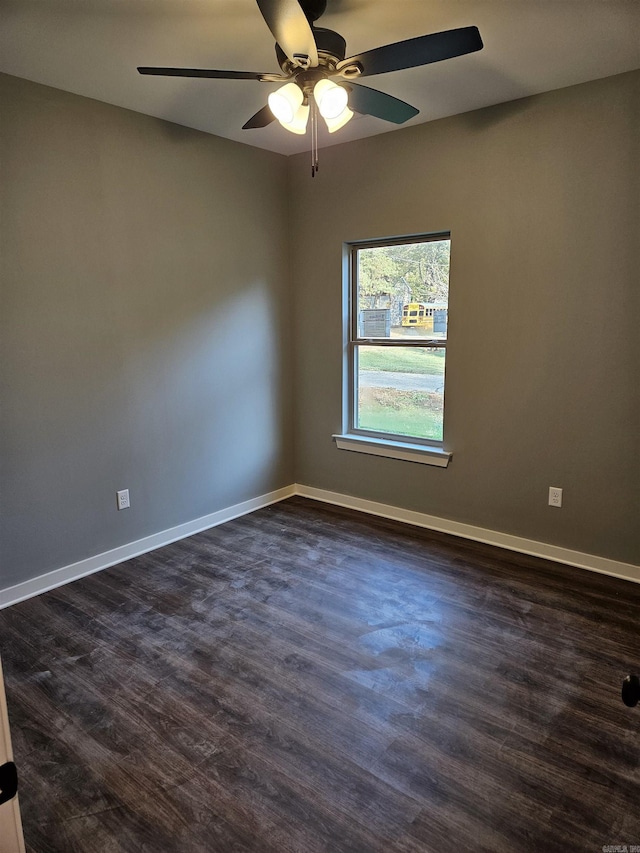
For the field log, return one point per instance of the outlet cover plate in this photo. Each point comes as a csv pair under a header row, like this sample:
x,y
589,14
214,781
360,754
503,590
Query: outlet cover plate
x,y
123,499
555,496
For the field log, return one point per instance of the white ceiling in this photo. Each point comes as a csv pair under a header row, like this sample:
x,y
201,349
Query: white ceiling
x,y
92,48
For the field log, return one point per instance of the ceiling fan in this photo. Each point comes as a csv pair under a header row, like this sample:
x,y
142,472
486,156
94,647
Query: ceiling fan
x,y
312,59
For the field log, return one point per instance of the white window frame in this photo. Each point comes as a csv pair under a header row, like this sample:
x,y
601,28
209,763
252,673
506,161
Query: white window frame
x,y
407,448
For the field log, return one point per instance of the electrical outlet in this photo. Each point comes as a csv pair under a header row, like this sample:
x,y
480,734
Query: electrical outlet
x,y
555,496
123,499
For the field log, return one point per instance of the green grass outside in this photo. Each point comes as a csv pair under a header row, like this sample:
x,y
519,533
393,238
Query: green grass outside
x,y
402,360
410,413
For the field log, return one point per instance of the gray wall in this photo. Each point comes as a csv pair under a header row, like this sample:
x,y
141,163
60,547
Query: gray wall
x,y
144,326
541,197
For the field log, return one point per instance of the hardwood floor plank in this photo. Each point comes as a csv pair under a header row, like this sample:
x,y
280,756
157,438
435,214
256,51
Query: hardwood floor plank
x,y
308,678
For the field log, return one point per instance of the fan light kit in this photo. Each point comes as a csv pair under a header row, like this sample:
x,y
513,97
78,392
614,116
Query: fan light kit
x,y
313,58
331,100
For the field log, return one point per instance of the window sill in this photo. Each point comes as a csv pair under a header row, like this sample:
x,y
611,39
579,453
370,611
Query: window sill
x,y
394,449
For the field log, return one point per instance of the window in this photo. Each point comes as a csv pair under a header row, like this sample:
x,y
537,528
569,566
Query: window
x,y
397,340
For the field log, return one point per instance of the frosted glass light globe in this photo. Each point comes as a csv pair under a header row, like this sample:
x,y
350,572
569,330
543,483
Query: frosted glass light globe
x,y
331,99
285,102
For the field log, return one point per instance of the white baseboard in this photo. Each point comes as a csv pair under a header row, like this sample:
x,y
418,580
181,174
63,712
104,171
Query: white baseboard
x,y
66,574
626,571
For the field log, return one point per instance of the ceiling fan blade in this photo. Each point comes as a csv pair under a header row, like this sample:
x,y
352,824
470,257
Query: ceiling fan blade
x,y
261,119
204,72
291,29
418,51
371,102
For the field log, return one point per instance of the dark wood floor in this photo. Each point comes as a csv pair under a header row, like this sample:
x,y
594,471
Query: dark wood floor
x,y
307,679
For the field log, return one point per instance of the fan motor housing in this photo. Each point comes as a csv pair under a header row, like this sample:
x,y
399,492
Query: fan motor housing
x,y
331,50
313,9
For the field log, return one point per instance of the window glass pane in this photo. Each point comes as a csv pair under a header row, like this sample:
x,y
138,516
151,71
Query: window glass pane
x,y
400,390
402,291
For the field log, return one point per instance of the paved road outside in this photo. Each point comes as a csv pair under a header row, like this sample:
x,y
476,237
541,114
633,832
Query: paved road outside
x,y
401,381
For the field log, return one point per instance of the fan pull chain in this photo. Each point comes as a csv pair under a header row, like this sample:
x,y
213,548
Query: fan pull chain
x,y
314,137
